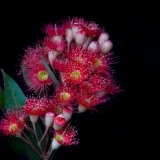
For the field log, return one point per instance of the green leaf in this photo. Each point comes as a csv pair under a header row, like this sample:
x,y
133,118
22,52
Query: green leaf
x,y
12,92
51,74
17,145
2,103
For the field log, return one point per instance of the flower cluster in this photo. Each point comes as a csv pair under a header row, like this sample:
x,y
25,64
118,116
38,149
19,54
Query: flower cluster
x,y
13,123
78,53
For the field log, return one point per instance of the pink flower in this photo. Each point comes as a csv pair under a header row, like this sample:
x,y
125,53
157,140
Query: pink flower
x,y
66,136
36,106
13,123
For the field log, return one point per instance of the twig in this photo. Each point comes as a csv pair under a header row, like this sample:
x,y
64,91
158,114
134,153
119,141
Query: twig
x,y
35,132
29,142
43,135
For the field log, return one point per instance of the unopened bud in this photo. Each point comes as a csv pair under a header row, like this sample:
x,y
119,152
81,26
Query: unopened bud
x,y
106,47
81,109
94,46
52,56
59,122
102,38
80,37
33,118
57,39
49,118
75,29
67,112
69,36
55,145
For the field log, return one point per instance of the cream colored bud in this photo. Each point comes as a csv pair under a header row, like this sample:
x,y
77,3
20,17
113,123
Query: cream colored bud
x,y
49,118
69,36
33,118
102,38
94,46
81,109
55,145
106,47
80,38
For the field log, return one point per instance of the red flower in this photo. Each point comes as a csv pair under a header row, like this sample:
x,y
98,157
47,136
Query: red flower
x,y
32,57
65,94
79,55
14,123
111,87
35,106
66,136
88,101
51,30
56,43
95,84
38,78
55,106
91,29
75,73
102,63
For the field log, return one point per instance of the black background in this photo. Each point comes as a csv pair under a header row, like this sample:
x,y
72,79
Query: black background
x,y
124,126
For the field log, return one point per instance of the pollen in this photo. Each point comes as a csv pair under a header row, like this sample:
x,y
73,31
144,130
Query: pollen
x,y
59,138
13,127
58,110
75,74
98,63
42,75
65,95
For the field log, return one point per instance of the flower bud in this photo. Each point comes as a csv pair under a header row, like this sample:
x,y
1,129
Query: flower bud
x,y
59,122
49,118
67,112
57,39
81,109
102,38
75,29
80,37
106,47
33,118
55,144
69,36
94,46
52,56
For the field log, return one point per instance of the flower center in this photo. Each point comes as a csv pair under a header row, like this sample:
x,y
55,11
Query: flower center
x,y
65,96
13,127
97,63
58,110
59,138
75,74
42,75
